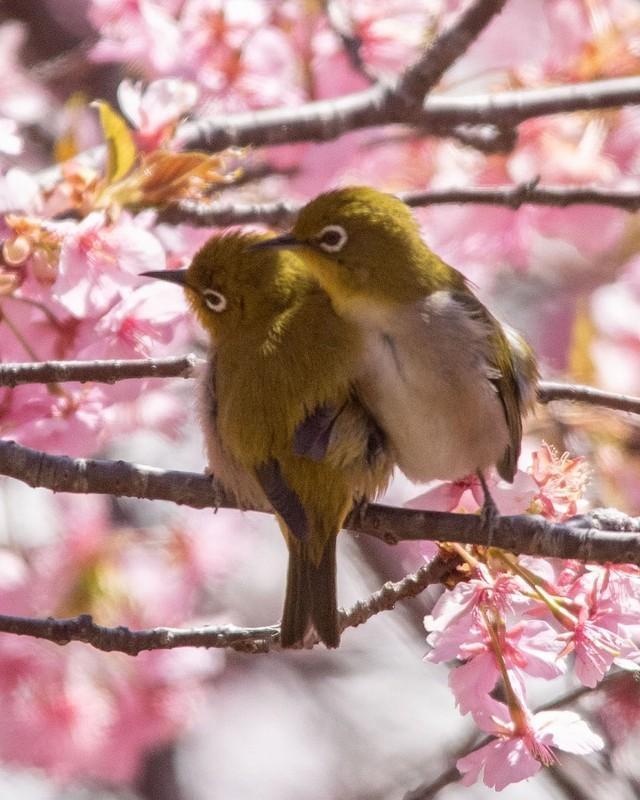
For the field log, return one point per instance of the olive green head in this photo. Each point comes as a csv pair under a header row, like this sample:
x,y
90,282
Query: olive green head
x,y
359,242
229,284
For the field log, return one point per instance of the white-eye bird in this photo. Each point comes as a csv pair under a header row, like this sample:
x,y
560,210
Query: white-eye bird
x,y
282,424
445,380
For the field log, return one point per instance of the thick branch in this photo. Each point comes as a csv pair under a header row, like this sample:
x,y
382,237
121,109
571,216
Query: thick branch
x,y
254,640
512,107
327,119
599,537
282,213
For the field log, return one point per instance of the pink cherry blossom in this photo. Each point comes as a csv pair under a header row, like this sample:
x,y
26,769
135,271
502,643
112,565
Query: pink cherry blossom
x,y
461,605
99,716
155,110
518,751
99,261
67,422
136,326
561,481
467,495
598,639
21,98
530,647
144,31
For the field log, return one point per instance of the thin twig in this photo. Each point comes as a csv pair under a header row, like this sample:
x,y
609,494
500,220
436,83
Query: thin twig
x,y
342,26
255,640
16,374
388,595
550,392
283,212
604,536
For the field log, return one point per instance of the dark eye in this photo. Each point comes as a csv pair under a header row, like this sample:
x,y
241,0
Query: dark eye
x,y
332,238
216,301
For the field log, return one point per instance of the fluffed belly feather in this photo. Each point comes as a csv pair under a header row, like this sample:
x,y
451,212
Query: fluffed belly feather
x,y
426,380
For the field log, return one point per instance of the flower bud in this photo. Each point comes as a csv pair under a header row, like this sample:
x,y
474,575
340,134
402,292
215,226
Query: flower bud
x,y
16,251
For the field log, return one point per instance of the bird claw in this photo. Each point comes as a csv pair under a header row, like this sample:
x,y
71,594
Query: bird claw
x,y
489,513
220,497
358,513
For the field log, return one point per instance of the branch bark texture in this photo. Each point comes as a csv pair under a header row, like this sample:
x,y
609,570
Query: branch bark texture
x,y
607,537
283,213
400,101
17,374
254,640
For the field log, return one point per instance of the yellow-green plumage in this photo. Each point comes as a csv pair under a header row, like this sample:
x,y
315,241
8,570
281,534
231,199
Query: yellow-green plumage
x,y
443,378
282,425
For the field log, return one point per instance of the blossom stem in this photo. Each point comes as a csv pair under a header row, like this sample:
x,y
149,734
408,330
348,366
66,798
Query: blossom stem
x,y
515,708
52,388
559,612
464,554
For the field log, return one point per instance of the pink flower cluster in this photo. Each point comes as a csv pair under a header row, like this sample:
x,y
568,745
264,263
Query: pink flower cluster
x,y
511,619
73,244
97,716
72,292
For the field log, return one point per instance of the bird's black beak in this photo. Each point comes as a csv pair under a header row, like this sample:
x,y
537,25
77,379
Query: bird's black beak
x,y
284,242
178,276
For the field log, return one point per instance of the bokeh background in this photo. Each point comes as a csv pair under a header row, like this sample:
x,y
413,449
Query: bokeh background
x,y
371,720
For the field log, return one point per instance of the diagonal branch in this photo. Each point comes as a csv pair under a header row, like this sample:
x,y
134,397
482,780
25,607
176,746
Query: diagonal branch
x,y
417,80
399,101
283,212
605,536
255,640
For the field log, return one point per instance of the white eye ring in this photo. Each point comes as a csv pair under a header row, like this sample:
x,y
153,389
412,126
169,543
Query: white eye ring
x,y
216,301
334,236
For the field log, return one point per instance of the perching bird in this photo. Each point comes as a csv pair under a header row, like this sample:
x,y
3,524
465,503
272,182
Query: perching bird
x,y
447,383
282,426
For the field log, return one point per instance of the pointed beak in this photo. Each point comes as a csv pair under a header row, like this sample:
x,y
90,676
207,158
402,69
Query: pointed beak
x,y
284,242
178,276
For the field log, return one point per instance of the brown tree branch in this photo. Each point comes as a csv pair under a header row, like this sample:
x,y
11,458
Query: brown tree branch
x,y
549,391
255,640
602,536
108,371
400,101
417,80
324,120
16,374
282,212
342,26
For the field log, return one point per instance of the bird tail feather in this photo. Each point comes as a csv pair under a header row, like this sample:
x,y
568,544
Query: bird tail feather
x,y
310,600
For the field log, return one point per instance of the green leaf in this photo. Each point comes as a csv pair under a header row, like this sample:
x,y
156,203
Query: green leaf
x,y
121,149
